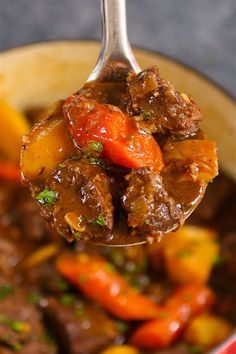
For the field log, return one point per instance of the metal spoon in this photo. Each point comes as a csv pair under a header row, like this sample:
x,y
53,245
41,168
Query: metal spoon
x,y
116,58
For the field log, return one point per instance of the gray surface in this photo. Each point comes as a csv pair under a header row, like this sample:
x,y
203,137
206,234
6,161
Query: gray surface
x,y
201,33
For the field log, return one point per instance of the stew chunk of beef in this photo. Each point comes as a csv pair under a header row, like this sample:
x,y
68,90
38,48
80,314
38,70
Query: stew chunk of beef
x,y
159,107
21,326
80,329
10,256
81,205
148,204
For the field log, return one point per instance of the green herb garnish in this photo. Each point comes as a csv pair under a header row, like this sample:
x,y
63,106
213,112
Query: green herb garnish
x,y
61,165
122,326
79,312
46,197
196,349
184,253
77,235
62,285
94,161
16,347
147,115
96,146
34,298
218,259
67,299
99,221
17,326
5,290
110,267
141,266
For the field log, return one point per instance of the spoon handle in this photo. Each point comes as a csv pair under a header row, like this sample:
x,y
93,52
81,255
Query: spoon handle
x,y
116,58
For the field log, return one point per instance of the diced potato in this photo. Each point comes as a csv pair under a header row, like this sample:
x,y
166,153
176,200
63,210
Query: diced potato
x,y
201,152
207,330
121,349
47,145
13,125
189,254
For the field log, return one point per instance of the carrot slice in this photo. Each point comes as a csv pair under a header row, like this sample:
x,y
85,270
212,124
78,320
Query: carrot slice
x,y
96,278
123,144
9,172
187,301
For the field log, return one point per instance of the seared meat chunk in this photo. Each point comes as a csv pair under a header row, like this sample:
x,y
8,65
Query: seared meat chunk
x,y
80,329
20,325
81,202
10,255
45,279
150,208
159,107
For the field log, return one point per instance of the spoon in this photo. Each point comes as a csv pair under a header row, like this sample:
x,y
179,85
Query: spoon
x,y
116,58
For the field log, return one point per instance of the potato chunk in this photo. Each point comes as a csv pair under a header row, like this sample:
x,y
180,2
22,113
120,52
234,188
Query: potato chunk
x,y
45,147
121,349
202,154
13,125
207,331
189,254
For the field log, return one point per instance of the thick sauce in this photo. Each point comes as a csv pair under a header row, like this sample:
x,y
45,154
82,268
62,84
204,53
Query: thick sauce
x,y
119,163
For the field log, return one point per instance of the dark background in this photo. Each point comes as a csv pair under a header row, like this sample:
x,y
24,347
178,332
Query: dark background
x,y
201,33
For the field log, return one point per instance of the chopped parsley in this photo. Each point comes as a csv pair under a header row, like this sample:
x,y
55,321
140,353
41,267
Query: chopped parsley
x,y
184,253
62,285
77,235
196,349
67,299
17,346
96,146
94,161
110,267
46,197
147,115
122,326
17,326
5,290
99,221
218,259
61,165
141,266
79,312
34,298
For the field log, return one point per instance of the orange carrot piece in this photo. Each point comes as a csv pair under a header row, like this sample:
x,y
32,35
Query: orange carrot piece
x,y
187,301
9,172
97,279
123,144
